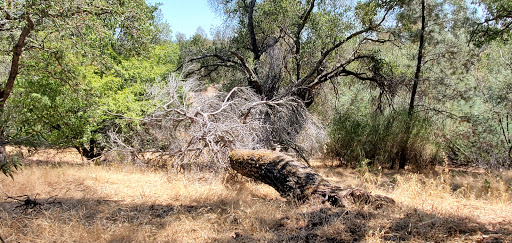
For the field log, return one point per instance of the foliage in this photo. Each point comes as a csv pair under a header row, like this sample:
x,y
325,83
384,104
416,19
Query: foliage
x,y
43,111
65,54
95,74
481,135
289,48
8,166
283,49
496,22
360,135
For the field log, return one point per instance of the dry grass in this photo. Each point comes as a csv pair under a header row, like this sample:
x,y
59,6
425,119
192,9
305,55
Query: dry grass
x,y
87,203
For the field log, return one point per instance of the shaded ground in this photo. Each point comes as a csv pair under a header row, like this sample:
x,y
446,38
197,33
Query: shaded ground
x,y
88,203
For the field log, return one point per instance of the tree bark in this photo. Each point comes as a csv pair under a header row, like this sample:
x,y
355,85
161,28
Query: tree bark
x,y
6,91
16,54
250,26
3,152
297,181
304,19
417,73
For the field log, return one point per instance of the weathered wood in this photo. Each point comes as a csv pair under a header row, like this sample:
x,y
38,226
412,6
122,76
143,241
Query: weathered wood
x,y
295,180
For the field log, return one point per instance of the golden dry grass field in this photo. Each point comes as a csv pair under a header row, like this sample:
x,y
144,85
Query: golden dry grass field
x,y
81,202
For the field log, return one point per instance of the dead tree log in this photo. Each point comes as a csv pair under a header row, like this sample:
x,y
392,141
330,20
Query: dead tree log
x,y
297,181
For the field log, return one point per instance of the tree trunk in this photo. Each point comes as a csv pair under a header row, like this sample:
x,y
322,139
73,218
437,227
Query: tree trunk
x,y
297,181
3,152
6,91
17,50
93,151
417,73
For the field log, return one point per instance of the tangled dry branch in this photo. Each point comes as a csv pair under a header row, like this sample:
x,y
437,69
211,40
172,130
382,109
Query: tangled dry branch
x,y
200,128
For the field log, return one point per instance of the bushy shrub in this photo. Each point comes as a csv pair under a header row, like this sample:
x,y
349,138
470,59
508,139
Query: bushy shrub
x,y
482,140
377,138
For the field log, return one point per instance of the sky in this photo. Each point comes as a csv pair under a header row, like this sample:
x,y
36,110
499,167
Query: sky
x,y
185,16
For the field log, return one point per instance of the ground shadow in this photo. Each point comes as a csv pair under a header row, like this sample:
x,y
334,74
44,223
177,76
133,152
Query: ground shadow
x,y
329,224
90,211
306,223
416,225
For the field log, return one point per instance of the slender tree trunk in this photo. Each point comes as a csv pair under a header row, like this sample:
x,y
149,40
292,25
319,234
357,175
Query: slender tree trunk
x,y
297,181
6,91
410,112
419,61
250,26
15,63
304,19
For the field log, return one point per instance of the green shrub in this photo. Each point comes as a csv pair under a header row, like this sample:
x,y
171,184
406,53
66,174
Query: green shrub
x,y
376,138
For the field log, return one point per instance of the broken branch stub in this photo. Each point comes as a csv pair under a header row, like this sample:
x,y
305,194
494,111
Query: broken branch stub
x,y
297,181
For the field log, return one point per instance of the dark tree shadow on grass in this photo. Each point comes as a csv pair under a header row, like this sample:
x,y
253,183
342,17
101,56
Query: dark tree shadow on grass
x,y
416,225
305,223
94,212
328,224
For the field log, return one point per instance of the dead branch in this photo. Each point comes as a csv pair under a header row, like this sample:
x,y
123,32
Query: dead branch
x,y
253,80
202,129
25,202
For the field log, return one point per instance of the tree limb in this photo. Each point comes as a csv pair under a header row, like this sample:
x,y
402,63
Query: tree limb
x,y
326,53
17,51
205,56
250,26
253,80
297,38
296,181
303,81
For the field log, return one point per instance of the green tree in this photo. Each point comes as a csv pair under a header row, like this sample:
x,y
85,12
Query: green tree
x,y
496,22
292,47
440,74
288,49
43,111
50,40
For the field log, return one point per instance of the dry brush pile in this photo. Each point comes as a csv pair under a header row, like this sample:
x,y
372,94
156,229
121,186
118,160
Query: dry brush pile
x,y
196,129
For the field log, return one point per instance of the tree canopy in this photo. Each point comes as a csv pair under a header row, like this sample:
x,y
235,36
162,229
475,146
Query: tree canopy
x,y
67,66
421,82
291,47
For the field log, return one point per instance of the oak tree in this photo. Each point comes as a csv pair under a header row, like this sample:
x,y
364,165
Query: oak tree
x,y
46,43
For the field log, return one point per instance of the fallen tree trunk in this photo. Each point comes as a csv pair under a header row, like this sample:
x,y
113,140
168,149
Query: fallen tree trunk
x,y
297,181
